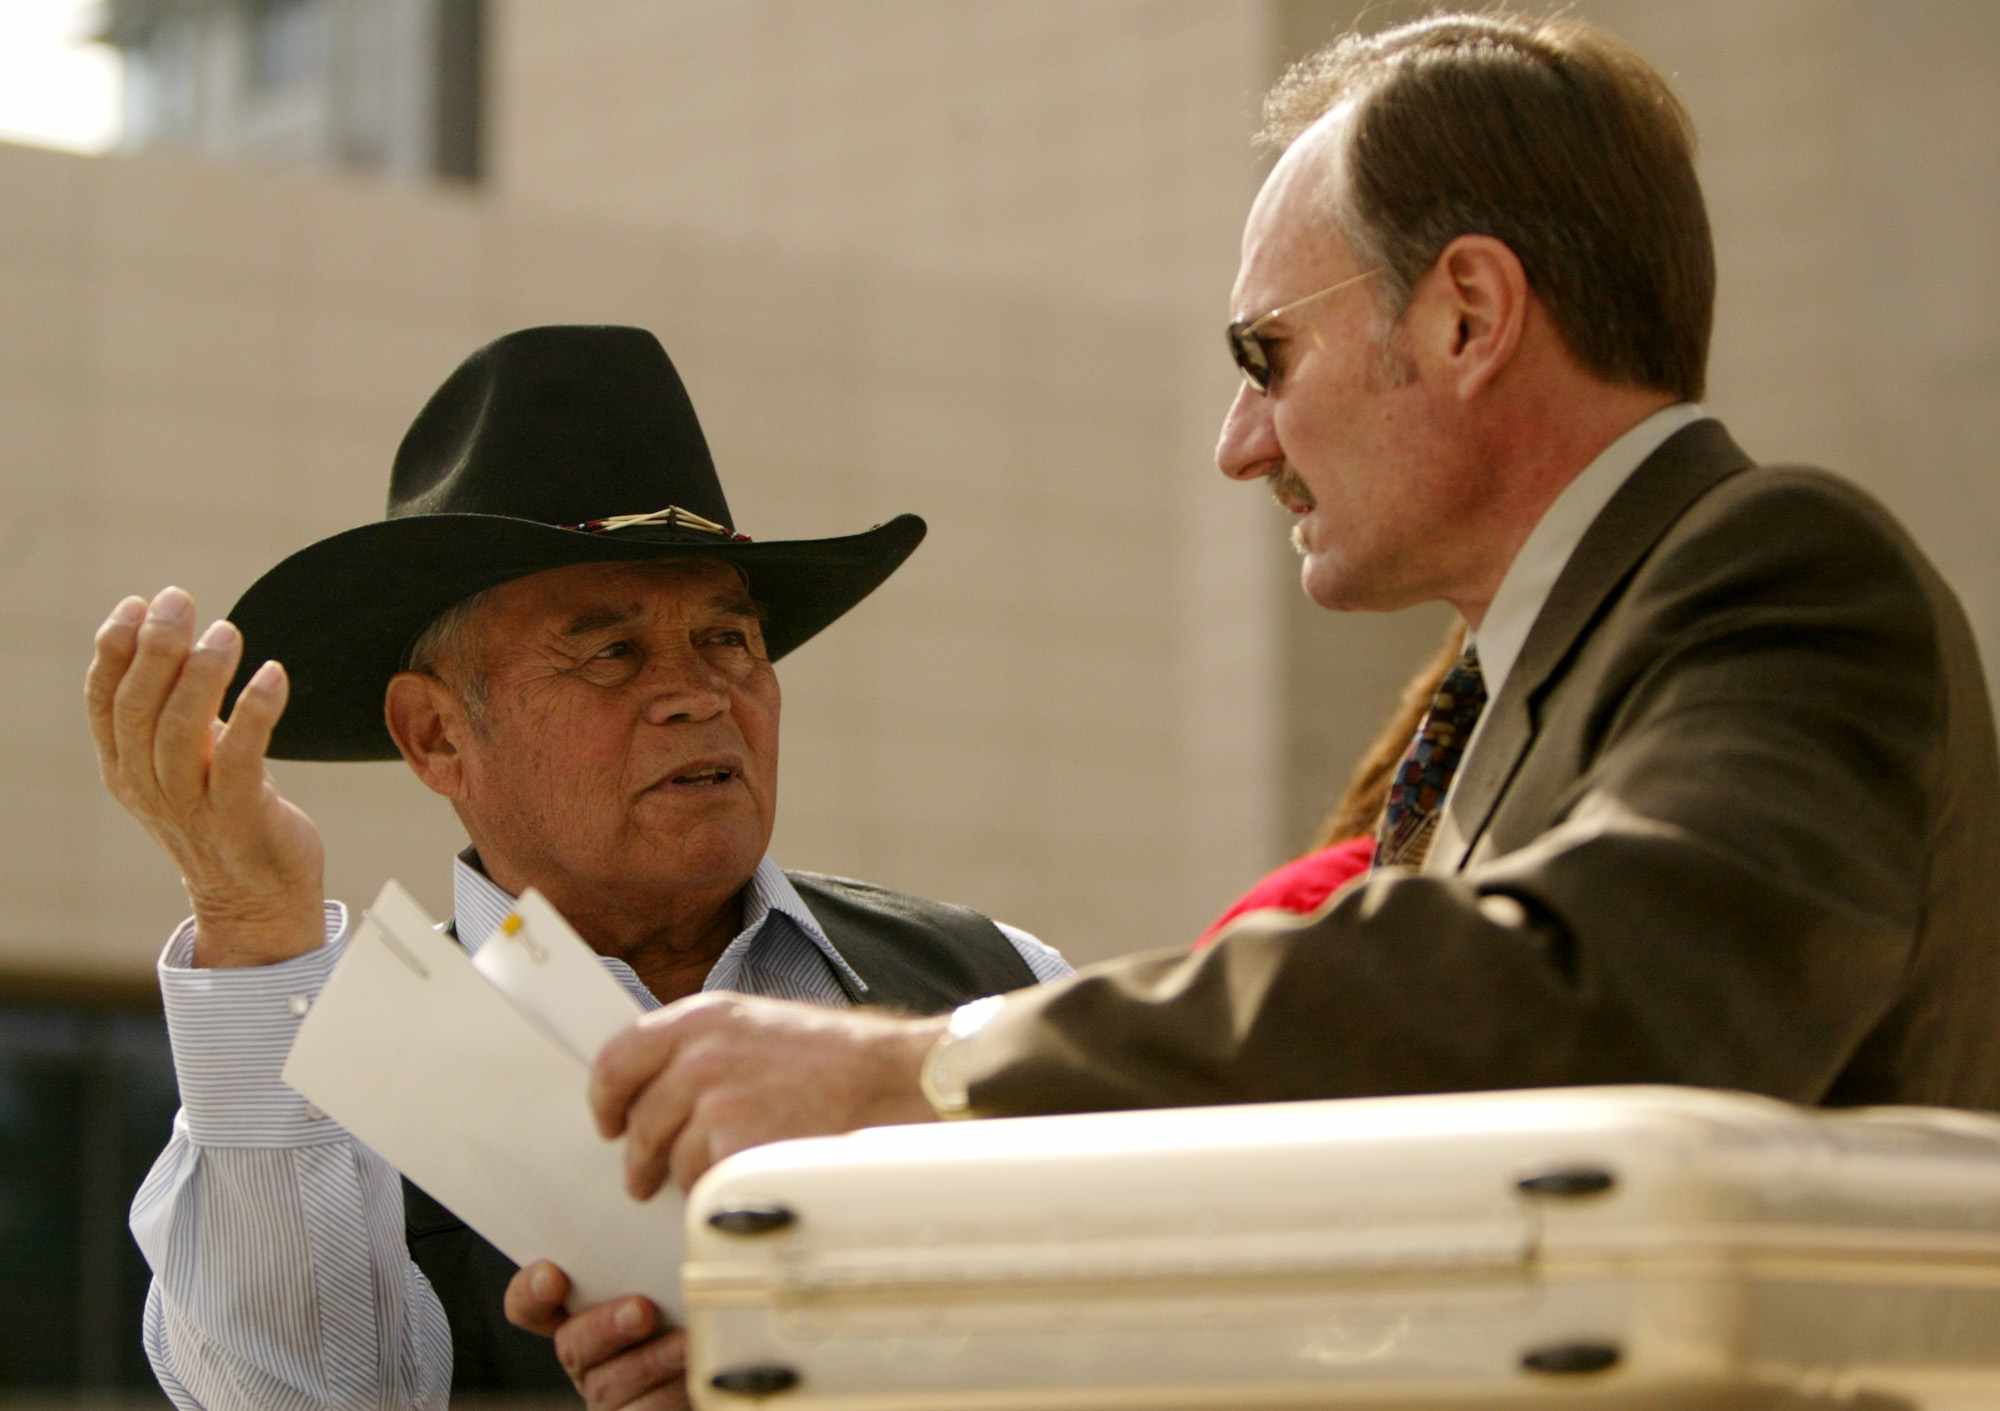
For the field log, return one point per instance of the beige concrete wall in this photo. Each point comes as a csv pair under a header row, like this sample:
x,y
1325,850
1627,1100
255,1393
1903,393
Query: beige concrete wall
x,y
208,366
1099,146
1854,185
969,260
201,368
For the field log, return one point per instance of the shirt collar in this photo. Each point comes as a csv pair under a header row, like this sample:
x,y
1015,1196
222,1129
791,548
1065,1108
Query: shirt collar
x,y
771,893
1533,573
479,905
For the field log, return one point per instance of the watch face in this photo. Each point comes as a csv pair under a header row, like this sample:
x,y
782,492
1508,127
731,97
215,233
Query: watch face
x,y
944,1081
944,1078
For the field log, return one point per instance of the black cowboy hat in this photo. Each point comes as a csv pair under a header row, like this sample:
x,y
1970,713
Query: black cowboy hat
x,y
546,448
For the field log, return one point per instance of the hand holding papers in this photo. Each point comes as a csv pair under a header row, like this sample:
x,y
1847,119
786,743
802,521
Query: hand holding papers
x,y
468,1076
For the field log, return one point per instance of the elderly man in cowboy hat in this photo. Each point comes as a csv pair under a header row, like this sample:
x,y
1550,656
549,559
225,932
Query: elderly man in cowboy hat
x,y
559,629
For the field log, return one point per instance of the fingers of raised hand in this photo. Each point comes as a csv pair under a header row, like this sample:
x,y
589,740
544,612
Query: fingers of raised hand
x,y
535,1297
182,740
116,641
160,647
236,772
153,692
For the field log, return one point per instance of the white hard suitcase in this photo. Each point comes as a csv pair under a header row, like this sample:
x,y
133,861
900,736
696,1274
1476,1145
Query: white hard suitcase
x,y
1585,1248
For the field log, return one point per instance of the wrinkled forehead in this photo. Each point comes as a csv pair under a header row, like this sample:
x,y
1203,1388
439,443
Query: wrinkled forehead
x,y
658,584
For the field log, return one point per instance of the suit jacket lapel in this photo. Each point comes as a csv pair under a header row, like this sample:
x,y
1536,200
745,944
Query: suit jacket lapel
x,y
1683,469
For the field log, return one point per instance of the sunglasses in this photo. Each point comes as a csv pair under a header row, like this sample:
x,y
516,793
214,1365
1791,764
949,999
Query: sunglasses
x,y
1247,345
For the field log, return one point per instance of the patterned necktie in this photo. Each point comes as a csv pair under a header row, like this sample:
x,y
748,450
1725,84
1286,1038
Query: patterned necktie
x,y
1416,793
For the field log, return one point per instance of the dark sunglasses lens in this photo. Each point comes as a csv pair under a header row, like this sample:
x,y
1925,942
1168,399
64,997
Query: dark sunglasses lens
x,y
1249,355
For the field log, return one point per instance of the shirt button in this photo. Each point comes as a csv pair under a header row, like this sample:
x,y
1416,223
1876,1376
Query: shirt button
x,y
298,1005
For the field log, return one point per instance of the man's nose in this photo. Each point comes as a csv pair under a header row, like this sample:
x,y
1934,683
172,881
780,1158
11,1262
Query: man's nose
x,y
1247,448
684,687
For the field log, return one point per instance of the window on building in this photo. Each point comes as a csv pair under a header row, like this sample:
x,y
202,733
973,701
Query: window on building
x,y
388,86
87,1099
290,42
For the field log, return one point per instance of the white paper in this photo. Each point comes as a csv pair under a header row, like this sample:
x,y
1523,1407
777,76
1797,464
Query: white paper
x,y
421,1056
555,979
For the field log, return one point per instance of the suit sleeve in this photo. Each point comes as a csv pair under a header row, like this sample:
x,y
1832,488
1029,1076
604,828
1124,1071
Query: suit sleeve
x,y
1710,868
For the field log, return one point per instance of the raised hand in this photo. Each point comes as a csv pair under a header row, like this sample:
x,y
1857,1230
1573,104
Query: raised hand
x,y
252,862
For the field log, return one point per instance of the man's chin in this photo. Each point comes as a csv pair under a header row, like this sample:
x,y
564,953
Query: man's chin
x,y
1327,586
713,849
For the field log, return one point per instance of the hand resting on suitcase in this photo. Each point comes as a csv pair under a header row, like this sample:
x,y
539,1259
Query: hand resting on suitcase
x,y
714,1074
689,1084
619,1355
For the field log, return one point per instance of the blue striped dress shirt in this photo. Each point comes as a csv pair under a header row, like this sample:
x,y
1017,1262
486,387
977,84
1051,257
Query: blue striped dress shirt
x,y
280,1274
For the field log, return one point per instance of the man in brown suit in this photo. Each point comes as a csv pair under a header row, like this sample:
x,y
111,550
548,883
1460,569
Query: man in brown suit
x,y
1727,817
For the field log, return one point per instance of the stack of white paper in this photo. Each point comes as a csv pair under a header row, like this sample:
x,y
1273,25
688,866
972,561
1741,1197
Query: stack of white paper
x,y
468,1076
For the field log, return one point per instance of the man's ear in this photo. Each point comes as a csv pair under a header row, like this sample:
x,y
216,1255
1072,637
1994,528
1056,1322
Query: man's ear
x,y
1485,295
427,721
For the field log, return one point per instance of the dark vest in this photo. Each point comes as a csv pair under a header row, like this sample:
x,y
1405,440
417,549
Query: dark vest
x,y
923,957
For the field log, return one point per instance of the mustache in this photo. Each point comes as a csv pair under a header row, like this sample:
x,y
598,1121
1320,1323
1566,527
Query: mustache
x,y
1288,489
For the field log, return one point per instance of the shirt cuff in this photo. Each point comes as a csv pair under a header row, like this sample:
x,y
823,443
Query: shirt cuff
x,y
1043,960
231,1030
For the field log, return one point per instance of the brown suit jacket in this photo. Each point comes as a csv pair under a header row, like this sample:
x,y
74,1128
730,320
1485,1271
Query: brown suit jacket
x,y
1730,825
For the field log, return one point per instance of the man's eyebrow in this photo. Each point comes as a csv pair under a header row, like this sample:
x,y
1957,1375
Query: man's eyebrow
x,y
597,619
733,601
738,603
